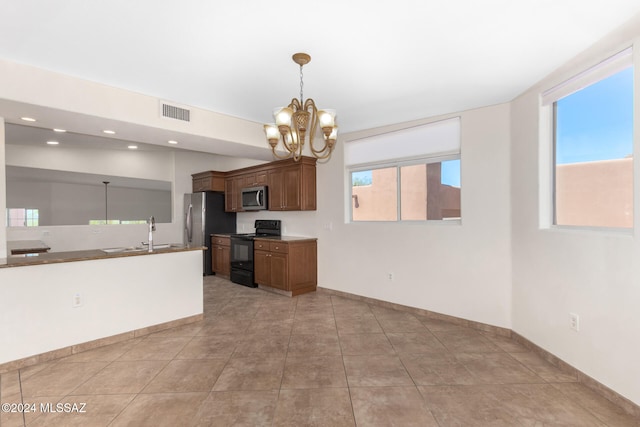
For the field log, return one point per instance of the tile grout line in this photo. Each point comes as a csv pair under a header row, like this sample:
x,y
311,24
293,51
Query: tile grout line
x,y
344,366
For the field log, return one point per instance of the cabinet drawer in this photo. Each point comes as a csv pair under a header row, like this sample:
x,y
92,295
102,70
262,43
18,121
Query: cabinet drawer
x,y
221,241
259,245
280,247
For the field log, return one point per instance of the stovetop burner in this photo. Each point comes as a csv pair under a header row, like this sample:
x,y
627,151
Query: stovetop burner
x,y
251,236
264,228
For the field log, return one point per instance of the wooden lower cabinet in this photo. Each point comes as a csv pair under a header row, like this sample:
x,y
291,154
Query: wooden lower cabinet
x,y
290,266
220,255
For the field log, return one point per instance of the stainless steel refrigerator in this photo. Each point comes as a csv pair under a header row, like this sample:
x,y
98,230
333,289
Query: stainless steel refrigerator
x,y
204,215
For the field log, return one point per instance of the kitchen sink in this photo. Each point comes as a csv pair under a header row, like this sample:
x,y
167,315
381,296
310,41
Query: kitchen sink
x,y
137,248
123,249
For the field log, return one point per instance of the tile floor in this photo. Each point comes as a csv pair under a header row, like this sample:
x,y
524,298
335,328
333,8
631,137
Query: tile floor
x,y
260,359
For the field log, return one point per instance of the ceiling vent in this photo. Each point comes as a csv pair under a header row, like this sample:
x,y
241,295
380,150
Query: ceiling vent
x,y
174,112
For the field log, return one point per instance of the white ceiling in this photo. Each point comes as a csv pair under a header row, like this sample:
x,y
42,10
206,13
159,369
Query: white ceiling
x,y
376,63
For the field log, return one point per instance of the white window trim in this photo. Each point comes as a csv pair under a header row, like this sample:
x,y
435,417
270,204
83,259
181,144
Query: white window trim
x,y
422,160
612,63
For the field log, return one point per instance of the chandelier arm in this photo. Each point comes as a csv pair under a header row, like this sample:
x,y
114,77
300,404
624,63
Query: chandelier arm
x,y
295,104
323,153
289,146
277,156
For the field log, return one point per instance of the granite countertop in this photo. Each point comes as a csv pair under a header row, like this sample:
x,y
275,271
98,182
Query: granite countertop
x,y
26,246
86,255
287,238
222,234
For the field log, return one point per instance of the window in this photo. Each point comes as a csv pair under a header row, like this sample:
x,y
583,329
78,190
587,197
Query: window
x,y
593,147
407,175
428,191
22,217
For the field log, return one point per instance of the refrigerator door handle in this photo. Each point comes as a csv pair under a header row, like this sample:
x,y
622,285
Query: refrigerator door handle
x,y
189,223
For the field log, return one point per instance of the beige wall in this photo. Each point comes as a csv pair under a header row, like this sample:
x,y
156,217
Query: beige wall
x,y
597,194
558,270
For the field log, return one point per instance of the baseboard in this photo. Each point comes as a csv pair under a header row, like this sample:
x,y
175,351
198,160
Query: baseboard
x,y
90,345
599,388
424,313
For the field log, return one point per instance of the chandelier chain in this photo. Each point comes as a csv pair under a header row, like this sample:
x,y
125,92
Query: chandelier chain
x,y
301,85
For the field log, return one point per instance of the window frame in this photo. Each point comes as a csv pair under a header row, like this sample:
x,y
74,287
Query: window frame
x,y
398,164
28,217
547,148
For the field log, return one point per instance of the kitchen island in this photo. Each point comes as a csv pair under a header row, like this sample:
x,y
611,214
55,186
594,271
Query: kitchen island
x,y
56,304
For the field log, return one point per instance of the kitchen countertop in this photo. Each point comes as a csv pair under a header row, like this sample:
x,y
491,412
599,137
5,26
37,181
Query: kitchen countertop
x,y
286,238
278,238
86,255
16,247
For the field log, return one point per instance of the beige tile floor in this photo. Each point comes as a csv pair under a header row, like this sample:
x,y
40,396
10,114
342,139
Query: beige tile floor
x,y
260,359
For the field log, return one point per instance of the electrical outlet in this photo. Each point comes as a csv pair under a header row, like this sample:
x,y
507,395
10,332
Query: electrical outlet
x,y
77,300
574,321
390,276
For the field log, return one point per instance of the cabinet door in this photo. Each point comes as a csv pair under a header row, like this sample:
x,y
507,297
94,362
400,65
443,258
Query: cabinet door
x,y
255,178
230,198
276,195
216,259
291,188
261,178
238,185
233,194
279,272
225,260
262,268
198,184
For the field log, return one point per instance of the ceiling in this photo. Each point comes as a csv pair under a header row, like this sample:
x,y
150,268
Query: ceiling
x,y
376,63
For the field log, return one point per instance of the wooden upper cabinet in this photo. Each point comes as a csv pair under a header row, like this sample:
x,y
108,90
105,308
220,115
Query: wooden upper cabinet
x,y
256,178
233,193
292,187
208,181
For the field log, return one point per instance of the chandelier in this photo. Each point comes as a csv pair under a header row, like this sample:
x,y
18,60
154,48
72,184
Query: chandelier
x,y
300,116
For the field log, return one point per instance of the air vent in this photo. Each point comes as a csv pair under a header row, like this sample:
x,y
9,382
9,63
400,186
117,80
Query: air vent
x,y
173,112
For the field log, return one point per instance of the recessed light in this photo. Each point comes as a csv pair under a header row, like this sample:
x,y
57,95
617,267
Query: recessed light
x,y
132,147
59,130
53,142
171,141
110,132
28,119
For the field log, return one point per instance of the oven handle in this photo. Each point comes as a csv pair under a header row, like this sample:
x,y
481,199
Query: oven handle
x,y
258,194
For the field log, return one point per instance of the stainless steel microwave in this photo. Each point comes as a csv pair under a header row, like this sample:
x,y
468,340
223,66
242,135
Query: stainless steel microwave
x,y
254,198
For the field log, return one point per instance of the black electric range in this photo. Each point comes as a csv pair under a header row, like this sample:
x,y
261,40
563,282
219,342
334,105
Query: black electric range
x,y
242,265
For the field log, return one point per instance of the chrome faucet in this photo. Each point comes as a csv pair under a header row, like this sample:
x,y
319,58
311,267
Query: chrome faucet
x,y
152,227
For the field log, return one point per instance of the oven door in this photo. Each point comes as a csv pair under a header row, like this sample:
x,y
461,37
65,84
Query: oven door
x,y
241,253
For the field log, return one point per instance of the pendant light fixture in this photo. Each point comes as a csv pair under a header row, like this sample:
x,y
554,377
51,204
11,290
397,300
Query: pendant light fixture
x,y
299,120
